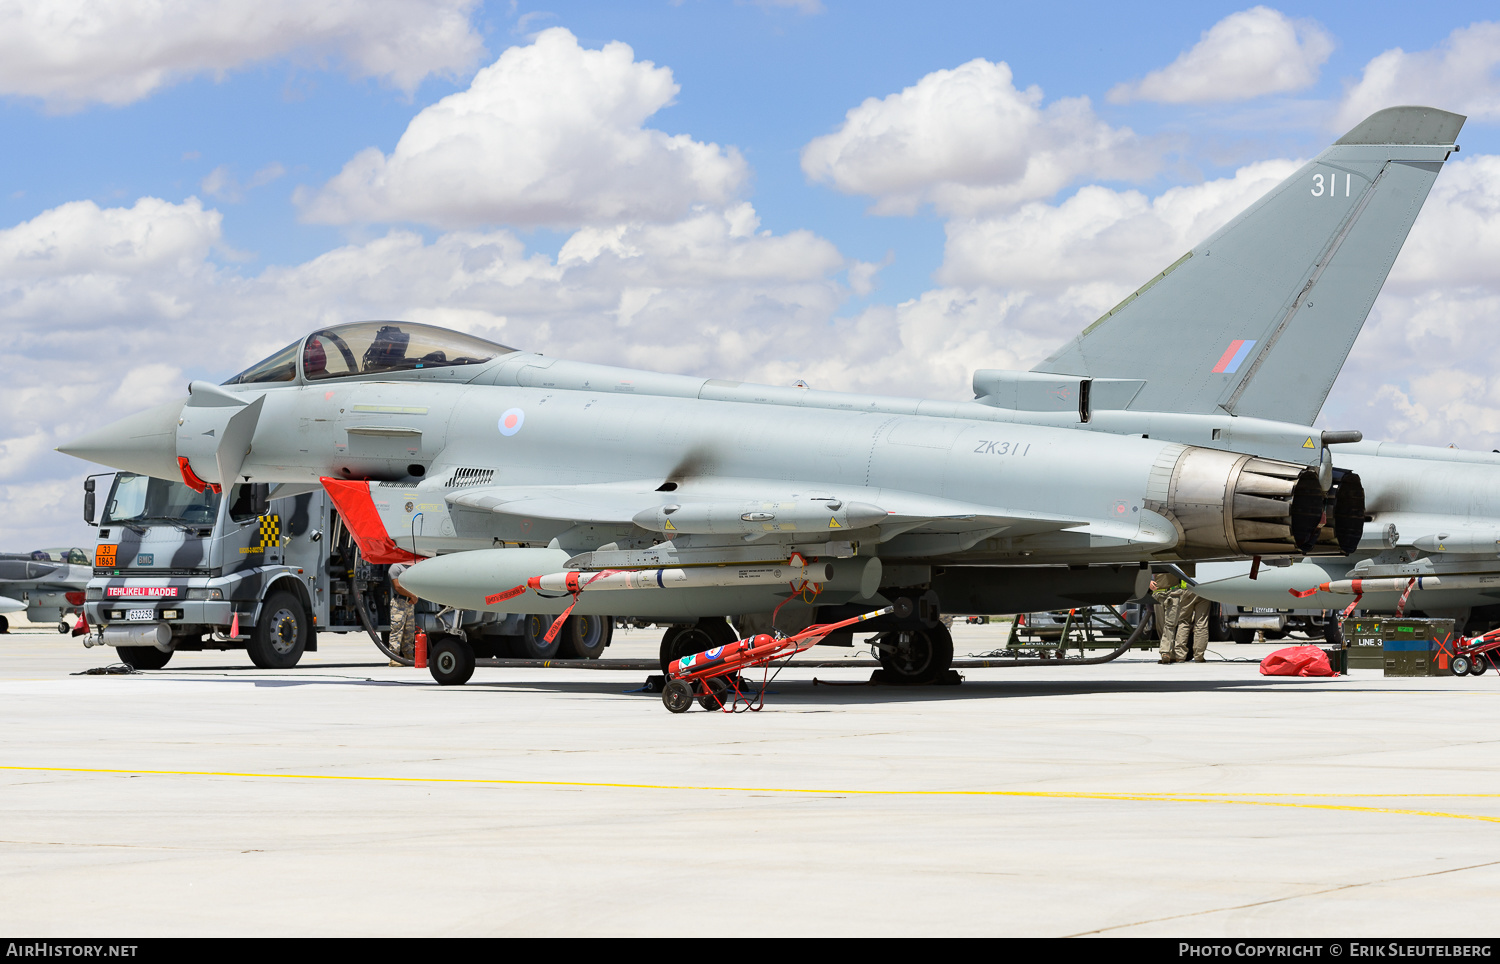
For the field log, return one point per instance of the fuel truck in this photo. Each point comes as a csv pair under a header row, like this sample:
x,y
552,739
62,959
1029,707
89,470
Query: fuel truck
x,y
265,570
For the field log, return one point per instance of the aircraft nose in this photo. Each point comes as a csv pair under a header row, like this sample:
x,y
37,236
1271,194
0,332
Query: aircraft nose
x,y
145,442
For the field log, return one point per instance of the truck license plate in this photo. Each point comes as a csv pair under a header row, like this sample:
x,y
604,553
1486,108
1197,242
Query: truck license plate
x,y
139,615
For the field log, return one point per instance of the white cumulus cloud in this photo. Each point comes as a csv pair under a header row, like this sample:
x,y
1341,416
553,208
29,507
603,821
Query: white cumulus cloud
x,y
550,134
70,53
1462,74
967,140
1247,54
1112,241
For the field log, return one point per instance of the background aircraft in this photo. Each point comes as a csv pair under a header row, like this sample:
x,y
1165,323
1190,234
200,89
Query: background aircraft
x,y
46,584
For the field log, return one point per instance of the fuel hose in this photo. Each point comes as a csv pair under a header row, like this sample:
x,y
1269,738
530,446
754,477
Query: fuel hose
x,y
362,607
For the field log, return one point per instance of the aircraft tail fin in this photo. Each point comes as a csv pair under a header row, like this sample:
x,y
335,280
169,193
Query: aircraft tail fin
x,y
1258,319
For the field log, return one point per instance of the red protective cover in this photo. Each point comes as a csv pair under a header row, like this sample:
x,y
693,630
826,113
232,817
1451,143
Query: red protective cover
x,y
1297,661
352,498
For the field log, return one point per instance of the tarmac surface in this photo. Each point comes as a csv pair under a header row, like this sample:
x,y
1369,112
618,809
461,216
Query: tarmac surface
x,y
349,798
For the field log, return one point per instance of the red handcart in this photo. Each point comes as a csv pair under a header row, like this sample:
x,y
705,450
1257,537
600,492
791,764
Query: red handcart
x,y
1471,657
712,677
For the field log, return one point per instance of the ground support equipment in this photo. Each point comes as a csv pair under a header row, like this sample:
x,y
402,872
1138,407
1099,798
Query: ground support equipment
x,y
712,678
1472,657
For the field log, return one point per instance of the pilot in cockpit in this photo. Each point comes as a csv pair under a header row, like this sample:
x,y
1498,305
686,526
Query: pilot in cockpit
x,y
387,350
314,358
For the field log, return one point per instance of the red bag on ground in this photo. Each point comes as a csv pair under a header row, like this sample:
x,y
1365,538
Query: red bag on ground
x,y
1297,661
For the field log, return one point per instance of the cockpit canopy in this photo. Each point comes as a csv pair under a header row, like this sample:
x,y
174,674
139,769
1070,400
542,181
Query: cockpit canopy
x,y
370,348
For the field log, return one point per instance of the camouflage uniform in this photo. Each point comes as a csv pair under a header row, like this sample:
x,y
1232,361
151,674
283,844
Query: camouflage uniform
x,y
1192,616
403,619
1168,599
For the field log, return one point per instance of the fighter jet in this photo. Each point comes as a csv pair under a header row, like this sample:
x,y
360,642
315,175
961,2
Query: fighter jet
x,y
539,485
46,584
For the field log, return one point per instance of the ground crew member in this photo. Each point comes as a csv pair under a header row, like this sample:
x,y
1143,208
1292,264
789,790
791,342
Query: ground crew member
x,y
1166,593
1192,612
403,637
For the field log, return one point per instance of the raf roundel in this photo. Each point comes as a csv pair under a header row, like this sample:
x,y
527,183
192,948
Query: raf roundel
x,y
511,421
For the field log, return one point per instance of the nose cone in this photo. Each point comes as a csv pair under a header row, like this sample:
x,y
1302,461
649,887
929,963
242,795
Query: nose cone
x,y
145,442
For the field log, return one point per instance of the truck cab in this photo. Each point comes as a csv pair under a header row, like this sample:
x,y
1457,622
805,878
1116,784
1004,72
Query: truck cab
x,y
181,569
178,568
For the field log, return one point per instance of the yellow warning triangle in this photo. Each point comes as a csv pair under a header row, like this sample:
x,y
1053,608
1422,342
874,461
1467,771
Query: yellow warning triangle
x,y
834,524
1308,444
669,525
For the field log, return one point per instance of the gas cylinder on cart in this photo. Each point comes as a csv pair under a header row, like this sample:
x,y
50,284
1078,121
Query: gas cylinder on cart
x,y
730,656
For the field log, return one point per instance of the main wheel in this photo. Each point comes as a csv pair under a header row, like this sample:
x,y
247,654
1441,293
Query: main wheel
x,y
1242,635
1460,665
450,660
680,641
915,656
715,691
280,635
584,637
1478,665
1333,633
143,657
532,643
677,696
4,625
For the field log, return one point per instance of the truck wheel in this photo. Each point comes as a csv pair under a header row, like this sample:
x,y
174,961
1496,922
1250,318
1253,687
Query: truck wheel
x,y
143,657
280,635
1479,665
1460,666
584,637
1218,624
915,656
1242,635
705,634
4,625
451,660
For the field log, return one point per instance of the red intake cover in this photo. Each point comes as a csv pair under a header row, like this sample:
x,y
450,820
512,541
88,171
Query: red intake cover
x,y
352,498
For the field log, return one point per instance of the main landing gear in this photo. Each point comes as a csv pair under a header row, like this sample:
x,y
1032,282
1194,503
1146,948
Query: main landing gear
x,y
705,634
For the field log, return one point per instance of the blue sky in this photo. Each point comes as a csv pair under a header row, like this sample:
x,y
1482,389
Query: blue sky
x,y
256,120
765,79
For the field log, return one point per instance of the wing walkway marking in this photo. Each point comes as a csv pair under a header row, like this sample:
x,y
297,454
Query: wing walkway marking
x,y
1240,799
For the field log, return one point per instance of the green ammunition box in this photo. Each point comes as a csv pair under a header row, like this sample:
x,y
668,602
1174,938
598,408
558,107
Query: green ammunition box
x,y
1365,639
1409,647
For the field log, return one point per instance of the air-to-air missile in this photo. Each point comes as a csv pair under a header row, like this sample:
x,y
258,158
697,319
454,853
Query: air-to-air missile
x,y
505,471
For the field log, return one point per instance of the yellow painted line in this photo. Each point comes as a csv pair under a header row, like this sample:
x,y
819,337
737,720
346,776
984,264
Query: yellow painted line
x,y
1142,797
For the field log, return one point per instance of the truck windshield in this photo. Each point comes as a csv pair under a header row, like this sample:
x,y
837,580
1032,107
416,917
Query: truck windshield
x,y
141,500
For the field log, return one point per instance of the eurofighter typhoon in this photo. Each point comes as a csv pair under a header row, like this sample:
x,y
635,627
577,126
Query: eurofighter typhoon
x,y
529,484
